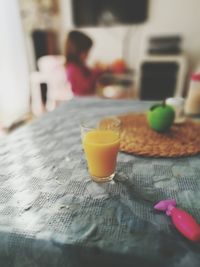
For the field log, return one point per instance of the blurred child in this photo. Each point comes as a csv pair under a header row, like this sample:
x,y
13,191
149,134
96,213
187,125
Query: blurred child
x,y
81,77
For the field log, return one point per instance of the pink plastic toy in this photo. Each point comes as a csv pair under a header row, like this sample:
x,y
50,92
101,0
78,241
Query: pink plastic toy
x,y
183,221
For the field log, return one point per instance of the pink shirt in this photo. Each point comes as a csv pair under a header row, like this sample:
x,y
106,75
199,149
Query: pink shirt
x,y
81,84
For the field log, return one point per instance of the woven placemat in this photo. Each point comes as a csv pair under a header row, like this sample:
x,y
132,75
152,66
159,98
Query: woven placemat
x,y
138,138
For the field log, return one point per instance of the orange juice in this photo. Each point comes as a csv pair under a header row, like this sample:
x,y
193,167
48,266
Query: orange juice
x,y
101,148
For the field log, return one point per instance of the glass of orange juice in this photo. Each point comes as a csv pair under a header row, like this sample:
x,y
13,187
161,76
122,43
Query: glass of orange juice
x,y
101,140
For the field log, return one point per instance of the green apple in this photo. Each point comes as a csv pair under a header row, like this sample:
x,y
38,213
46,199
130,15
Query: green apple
x,y
160,117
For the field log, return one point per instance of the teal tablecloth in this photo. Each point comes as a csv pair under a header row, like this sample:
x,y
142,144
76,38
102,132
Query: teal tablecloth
x,y
52,214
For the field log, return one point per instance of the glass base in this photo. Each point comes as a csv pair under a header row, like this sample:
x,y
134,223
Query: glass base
x,y
103,179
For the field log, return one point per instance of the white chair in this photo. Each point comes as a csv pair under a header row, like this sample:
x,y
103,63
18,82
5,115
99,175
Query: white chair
x,y
52,73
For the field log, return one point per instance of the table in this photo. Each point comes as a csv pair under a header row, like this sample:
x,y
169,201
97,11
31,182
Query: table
x,y
52,214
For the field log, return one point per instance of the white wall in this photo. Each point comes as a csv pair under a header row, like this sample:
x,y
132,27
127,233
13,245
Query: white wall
x,y
165,17
14,84
177,16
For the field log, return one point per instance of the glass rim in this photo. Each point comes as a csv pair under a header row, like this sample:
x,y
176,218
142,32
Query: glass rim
x,y
84,122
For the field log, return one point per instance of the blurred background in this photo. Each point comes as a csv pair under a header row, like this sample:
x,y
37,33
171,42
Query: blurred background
x,y
153,46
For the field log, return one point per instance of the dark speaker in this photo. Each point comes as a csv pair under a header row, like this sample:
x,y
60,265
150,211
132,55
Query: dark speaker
x,y
158,80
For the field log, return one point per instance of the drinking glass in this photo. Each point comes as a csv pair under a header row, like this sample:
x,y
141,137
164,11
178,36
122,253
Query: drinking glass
x,y
101,141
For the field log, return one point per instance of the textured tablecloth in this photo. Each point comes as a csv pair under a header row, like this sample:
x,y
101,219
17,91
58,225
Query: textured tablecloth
x,y
52,214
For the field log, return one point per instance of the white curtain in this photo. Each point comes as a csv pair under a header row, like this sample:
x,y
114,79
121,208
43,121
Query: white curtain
x,y
14,73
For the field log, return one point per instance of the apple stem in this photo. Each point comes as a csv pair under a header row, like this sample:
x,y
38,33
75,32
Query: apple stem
x,y
163,103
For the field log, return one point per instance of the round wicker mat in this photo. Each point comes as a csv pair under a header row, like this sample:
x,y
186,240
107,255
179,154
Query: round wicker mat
x,y
138,138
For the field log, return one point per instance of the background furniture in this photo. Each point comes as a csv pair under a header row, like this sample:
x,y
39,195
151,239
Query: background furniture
x,y
165,45
163,68
116,86
49,85
45,42
52,214
162,76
